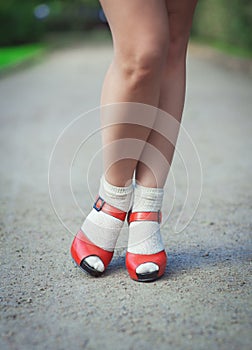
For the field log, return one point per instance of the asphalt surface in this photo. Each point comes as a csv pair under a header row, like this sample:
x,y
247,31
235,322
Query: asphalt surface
x,y
204,299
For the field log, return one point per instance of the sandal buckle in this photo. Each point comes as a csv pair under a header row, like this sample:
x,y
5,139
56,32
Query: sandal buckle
x,y
99,203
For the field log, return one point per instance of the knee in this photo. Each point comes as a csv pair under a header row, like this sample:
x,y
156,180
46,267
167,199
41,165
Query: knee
x,y
141,66
177,48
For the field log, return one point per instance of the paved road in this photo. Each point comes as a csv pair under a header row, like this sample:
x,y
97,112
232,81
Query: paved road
x,y
204,300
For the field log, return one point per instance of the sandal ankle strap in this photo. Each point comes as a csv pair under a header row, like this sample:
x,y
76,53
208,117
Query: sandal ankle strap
x,y
145,216
101,205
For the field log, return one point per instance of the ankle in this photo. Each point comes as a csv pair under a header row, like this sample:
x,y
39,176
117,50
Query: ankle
x,y
147,199
118,197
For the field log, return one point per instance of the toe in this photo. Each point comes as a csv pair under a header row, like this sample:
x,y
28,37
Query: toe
x,y
147,268
95,262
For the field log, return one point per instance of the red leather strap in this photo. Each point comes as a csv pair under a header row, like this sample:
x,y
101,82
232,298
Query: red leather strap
x,y
100,204
145,216
82,247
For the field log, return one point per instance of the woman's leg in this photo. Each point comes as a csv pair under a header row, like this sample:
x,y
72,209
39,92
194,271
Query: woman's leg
x,y
172,94
140,37
154,164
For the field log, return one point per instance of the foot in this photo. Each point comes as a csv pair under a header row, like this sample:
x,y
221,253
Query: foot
x,y
146,258
94,246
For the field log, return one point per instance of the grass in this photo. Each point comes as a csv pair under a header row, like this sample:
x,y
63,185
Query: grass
x,y
14,55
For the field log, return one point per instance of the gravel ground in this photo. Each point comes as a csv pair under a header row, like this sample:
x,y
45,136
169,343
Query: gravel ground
x,y
204,299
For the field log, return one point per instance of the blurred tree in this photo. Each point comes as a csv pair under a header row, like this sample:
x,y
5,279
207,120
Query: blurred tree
x,y
19,23
73,15
227,21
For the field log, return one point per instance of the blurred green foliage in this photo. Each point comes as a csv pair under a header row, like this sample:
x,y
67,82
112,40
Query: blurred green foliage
x,y
19,24
73,15
224,21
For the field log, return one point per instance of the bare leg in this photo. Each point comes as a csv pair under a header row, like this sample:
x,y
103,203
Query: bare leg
x,y
172,92
153,166
140,36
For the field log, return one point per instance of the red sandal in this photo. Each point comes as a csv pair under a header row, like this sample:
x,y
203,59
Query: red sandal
x,y
82,247
134,260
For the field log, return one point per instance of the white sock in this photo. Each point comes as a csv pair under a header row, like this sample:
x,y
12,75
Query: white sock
x,y
144,236
103,229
